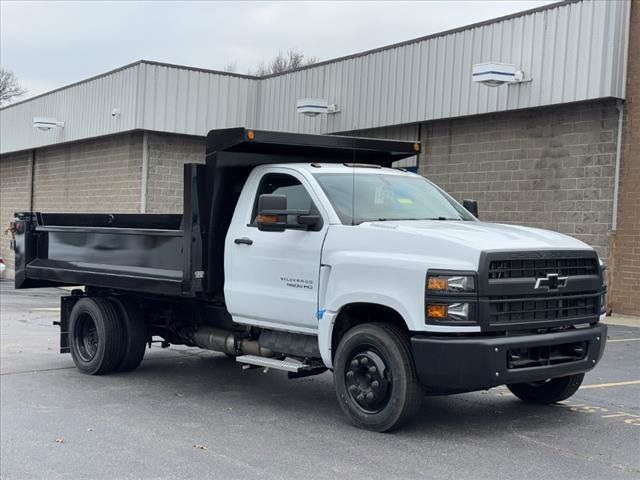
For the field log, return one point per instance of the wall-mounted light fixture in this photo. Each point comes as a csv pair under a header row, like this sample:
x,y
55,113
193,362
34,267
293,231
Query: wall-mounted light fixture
x,y
312,107
494,74
45,123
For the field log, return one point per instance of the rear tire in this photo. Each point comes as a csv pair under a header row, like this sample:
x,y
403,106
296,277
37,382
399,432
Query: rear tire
x,y
135,334
551,391
95,336
375,377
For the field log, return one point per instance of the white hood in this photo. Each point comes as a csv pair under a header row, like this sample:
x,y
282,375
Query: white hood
x,y
483,236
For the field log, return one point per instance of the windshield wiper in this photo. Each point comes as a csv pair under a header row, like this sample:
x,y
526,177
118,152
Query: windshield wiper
x,y
441,218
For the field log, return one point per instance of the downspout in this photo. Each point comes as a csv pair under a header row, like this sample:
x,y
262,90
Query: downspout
x,y
32,173
616,179
421,149
144,177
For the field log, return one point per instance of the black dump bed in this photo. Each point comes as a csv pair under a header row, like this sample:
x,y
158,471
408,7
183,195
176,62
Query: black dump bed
x,y
175,254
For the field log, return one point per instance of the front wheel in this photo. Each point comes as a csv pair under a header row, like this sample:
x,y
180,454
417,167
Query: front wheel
x,y
375,377
547,392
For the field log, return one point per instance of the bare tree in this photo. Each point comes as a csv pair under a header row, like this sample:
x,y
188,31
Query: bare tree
x,y
231,67
10,89
283,62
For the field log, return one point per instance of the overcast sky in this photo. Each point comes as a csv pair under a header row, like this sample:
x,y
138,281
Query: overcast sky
x,y
51,44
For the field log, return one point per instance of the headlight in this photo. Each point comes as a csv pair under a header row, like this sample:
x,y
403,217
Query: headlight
x,y
452,312
451,297
437,283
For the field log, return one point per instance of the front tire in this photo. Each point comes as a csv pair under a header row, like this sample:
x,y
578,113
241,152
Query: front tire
x,y
551,391
95,336
375,377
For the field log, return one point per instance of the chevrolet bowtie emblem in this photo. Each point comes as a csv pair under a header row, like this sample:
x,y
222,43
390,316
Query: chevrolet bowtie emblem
x,y
552,282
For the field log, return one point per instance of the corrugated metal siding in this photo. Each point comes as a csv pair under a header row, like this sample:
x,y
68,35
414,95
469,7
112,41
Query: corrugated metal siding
x,y
85,110
193,102
572,52
150,96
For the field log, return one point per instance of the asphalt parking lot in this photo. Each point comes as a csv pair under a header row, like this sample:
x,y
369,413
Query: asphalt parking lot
x,y
186,413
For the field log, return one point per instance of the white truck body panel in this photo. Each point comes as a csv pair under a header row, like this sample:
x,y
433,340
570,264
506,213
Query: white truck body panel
x,y
299,281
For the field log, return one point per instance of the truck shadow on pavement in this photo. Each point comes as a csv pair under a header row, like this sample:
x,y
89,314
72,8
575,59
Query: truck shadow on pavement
x,y
216,381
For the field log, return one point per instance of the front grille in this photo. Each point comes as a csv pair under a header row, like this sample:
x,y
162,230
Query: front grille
x,y
540,267
534,309
524,290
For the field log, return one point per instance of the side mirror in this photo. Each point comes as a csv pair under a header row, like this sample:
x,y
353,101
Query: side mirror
x,y
273,215
271,208
309,220
471,206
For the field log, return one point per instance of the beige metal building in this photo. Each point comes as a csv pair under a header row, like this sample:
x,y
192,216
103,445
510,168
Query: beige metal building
x,y
556,149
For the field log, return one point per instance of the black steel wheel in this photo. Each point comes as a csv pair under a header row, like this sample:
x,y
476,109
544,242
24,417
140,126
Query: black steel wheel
x,y
135,334
368,379
375,377
86,337
95,336
549,391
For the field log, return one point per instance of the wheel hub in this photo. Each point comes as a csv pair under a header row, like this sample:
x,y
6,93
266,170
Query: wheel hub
x,y
367,380
87,338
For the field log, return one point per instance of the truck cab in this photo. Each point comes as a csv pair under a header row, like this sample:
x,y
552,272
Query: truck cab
x,y
332,260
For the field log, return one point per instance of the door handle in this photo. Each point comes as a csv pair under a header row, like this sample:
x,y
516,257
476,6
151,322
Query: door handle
x,y
245,240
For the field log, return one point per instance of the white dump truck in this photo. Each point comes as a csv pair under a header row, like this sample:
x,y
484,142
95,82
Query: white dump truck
x,y
308,253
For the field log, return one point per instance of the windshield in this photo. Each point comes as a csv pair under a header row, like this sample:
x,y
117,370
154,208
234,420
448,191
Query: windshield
x,y
363,197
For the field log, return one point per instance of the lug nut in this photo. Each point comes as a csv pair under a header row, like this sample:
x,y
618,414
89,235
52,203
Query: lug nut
x,y
350,374
360,397
354,363
370,396
375,384
373,370
364,361
353,389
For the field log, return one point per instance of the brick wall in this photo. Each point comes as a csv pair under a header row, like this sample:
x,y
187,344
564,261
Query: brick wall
x,y
625,268
15,196
100,175
167,154
550,168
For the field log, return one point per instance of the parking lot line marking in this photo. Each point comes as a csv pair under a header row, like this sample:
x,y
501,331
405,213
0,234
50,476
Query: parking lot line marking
x,y
619,414
623,417
612,384
624,340
45,309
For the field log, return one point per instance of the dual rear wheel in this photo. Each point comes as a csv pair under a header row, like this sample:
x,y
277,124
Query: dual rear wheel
x,y
106,334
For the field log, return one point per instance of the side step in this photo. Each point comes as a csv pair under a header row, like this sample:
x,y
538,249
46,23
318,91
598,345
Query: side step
x,y
290,365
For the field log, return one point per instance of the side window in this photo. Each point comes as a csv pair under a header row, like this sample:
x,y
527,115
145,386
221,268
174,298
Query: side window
x,y
282,184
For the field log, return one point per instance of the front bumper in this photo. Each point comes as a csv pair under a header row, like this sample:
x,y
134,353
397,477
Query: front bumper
x,y
458,364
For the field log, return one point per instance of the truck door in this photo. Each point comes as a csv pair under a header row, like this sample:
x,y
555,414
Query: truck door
x,y
271,278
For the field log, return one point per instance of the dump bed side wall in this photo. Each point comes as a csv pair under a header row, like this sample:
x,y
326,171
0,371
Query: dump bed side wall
x,y
139,259
151,253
